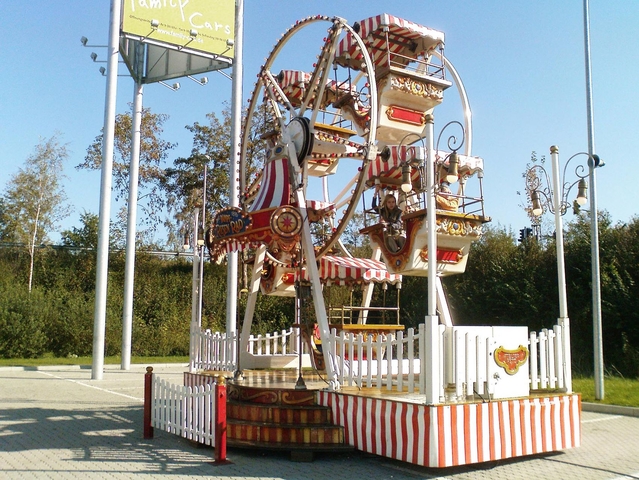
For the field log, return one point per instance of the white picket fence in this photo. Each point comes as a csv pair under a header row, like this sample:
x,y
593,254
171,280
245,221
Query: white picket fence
x,y
548,366
388,361
185,411
278,343
395,361
217,351
212,350
466,366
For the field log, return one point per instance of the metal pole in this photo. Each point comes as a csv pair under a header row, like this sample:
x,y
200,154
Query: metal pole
x,y
196,262
430,361
129,266
556,201
194,355
236,127
431,219
200,249
594,222
563,320
99,314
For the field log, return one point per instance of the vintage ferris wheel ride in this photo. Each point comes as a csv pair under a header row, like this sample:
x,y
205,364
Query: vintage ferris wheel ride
x,y
320,132
331,128
325,143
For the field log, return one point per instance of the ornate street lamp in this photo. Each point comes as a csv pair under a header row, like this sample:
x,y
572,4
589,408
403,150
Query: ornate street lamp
x,y
554,197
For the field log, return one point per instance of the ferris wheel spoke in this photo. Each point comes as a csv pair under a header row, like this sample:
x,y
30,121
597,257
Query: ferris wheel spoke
x,y
305,110
277,95
320,75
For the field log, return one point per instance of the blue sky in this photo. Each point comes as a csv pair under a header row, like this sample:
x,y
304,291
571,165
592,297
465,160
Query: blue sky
x,y
522,64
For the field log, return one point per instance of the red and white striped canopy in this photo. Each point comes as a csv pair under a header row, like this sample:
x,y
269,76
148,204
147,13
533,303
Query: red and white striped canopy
x,y
391,168
407,40
348,270
275,188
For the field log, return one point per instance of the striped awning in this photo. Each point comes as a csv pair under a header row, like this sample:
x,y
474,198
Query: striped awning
x,y
389,169
348,270
294,84
275,188
335,270
407,40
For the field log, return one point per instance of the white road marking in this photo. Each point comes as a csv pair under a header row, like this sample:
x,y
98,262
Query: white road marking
x,y
603,419
92,386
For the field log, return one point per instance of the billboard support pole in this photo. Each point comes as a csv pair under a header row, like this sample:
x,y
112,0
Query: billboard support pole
x,y
129,265
99,314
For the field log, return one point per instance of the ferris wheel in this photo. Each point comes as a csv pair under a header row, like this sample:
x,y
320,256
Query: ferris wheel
x,y
323,128
319,123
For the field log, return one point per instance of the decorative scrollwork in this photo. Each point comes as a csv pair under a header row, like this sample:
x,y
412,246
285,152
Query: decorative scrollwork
x,y
452,142
540,190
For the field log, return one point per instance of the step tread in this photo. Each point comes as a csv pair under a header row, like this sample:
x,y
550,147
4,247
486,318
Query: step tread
x,y
315,447
277,434
274,405
279,414
233,421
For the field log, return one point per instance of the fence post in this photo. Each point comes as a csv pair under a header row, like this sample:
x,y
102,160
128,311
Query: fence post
x,y
148,402
220,420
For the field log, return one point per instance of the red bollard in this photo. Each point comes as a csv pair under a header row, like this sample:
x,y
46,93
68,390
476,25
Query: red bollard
x,y
148,391
220,421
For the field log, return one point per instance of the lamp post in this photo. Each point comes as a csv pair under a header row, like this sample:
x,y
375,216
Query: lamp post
x,y
554,197
195,326
200,244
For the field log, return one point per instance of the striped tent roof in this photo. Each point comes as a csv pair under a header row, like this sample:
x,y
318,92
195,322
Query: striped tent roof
x,y
407,39
275,188
391,168
348,270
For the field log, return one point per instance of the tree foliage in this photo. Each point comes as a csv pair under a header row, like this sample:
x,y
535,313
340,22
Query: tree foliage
x,y
183,181
34,200
154,151
505,284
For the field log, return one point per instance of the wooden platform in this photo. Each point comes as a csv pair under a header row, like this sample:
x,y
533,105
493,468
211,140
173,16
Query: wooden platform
x,y
400,426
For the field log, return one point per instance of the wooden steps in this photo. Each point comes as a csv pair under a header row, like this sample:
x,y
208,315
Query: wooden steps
x,y
280,417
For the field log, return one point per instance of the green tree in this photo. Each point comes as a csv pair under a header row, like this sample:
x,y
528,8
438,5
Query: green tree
x,y
4,221
84,237
35,200
153,153
183,181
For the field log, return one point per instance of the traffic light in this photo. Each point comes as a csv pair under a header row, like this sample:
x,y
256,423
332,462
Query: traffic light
x,y
524,234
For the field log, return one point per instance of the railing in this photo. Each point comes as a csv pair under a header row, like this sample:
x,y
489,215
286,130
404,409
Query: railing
x,y
395,360
217,351
467,371
387,361
278,343
374,315
185,411
466,365
547,360
212,350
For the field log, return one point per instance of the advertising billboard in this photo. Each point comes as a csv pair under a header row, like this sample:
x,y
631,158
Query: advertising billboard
x,y
206,26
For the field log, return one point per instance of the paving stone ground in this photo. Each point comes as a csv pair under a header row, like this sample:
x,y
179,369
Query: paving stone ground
x,y
57,423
